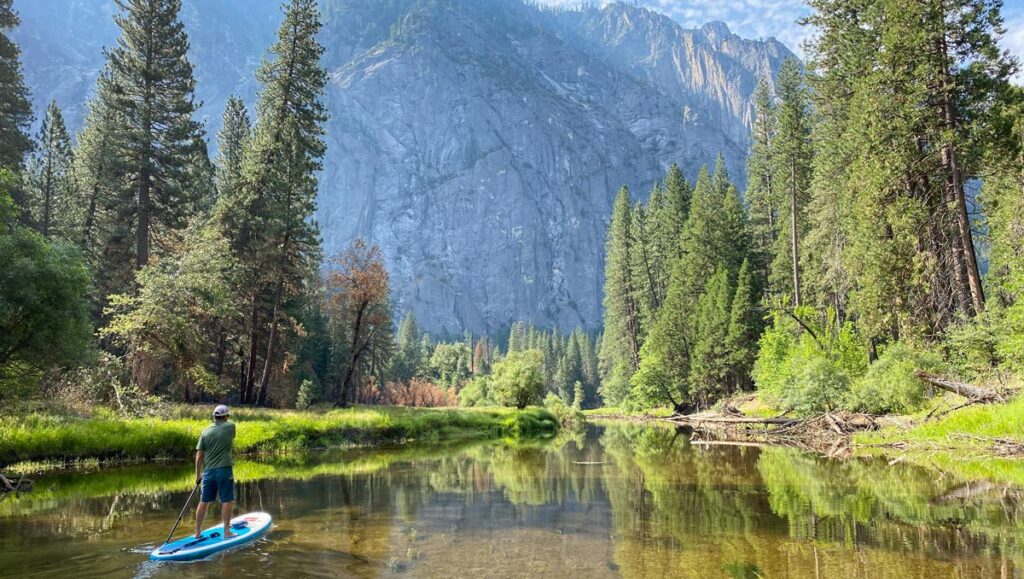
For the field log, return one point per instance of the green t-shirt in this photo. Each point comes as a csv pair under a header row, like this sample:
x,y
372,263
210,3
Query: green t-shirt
x,y
216,442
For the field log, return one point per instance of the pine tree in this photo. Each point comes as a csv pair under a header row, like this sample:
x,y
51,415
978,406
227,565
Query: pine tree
x,y
269,218
15,108
408,359
151,86
51,184
232,140
711,356
622,311
791,154
760,197
106,213
745,325
517,338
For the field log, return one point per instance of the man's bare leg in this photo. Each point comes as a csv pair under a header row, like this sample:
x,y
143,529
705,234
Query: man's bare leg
x,y
200,515
225,516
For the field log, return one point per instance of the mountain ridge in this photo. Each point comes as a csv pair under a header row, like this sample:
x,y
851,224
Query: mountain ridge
x,y
479,142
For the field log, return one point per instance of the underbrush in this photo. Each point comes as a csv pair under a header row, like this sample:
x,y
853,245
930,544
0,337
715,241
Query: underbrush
x,y
967,428
50,434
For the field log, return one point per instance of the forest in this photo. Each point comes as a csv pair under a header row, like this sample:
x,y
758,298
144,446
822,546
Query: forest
x,y
879,236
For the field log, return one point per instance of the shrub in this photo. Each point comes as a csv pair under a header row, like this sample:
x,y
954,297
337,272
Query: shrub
x,y
890,386
565,414
476,393
808,367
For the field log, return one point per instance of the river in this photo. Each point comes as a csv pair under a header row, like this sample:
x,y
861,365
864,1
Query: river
x,y
615,500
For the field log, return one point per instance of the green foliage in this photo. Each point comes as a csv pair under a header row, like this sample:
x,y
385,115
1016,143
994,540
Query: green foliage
x,y
809,367
449,364
565,414
518,379
476,392
15,108
890,386
44,316
309,393
167,320
50,183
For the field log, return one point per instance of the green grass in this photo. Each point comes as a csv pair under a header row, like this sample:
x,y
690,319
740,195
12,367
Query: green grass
x,y
46,435
957,428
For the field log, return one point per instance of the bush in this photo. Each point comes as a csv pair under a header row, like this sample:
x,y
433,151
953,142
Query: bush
x,y
476,393
809,368
565,414
518,379
890,386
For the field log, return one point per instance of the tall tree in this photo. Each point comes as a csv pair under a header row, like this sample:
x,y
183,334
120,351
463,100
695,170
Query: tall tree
x,y
51,184
762,205
408,358
269,219
15,108
791,154
232,139
622,313
151,86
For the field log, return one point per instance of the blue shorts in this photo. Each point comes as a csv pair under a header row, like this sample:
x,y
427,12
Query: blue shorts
x,y
218,481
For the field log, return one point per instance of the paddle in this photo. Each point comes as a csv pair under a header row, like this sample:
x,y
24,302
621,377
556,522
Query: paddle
x,y
182,513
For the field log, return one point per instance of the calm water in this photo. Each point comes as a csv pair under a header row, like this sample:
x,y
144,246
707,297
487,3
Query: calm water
x,y
619,500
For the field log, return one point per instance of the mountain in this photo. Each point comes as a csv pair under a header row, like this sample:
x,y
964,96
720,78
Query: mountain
x,y
479,142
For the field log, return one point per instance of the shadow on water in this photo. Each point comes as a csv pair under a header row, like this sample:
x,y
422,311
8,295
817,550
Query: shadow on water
x,y
612,500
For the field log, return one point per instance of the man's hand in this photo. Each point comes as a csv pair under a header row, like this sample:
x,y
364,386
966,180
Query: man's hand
x,y
199,478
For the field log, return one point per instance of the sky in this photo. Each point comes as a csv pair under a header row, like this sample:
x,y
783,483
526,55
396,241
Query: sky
x,y
778,18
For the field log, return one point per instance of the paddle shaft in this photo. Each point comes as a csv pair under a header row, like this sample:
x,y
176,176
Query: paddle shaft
x,y
181,514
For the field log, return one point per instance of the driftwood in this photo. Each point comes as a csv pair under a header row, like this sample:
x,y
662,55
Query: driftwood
x,y
969,391
696,419
22,486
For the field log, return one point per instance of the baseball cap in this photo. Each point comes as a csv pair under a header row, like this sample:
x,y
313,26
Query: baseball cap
x,y
220,411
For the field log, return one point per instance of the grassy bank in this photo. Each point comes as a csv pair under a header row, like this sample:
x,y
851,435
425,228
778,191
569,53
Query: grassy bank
x,y
44,434
984,428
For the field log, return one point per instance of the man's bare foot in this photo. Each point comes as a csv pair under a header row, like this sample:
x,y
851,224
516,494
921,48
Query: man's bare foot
x,y
197,536
229,535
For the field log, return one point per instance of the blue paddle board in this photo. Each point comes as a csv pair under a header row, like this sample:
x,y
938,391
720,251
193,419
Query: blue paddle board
x,y
247,528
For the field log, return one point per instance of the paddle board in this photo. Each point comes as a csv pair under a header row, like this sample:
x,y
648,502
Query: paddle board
x,y
247,528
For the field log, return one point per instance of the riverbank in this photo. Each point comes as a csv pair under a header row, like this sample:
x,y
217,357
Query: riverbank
x,y
48,434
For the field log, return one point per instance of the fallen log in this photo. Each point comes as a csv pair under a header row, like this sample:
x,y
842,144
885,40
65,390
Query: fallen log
x,y
22,486
698,419
969,391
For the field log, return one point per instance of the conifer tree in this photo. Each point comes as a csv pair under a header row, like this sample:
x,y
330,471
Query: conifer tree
x,y
269,220
51,185
232,140
150,85
791,155
711,356
622,314
745,325
408,360
760,197
15,108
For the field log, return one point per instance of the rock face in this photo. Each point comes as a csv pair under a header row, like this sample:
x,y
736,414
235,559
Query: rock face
x,y
479,142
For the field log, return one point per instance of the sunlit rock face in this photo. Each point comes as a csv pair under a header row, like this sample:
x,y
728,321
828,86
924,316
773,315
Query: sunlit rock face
x,y
480,143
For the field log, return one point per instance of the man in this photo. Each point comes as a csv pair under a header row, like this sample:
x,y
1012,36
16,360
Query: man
x,y
213,469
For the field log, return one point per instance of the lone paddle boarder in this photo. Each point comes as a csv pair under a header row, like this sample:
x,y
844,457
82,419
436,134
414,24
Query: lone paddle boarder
x,y
213,469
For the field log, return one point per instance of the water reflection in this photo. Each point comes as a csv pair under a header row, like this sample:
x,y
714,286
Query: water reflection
x,y
618,500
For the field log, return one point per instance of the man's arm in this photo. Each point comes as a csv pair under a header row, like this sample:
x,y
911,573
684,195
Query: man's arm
x,y
200,456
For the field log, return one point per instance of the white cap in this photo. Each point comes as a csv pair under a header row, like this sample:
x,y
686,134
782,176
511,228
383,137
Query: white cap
x,y
220,411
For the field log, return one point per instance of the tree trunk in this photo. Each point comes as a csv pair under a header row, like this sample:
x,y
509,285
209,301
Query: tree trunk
x,y
142,229
955,185
353,358
974,393
254,338
794,239
271,346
